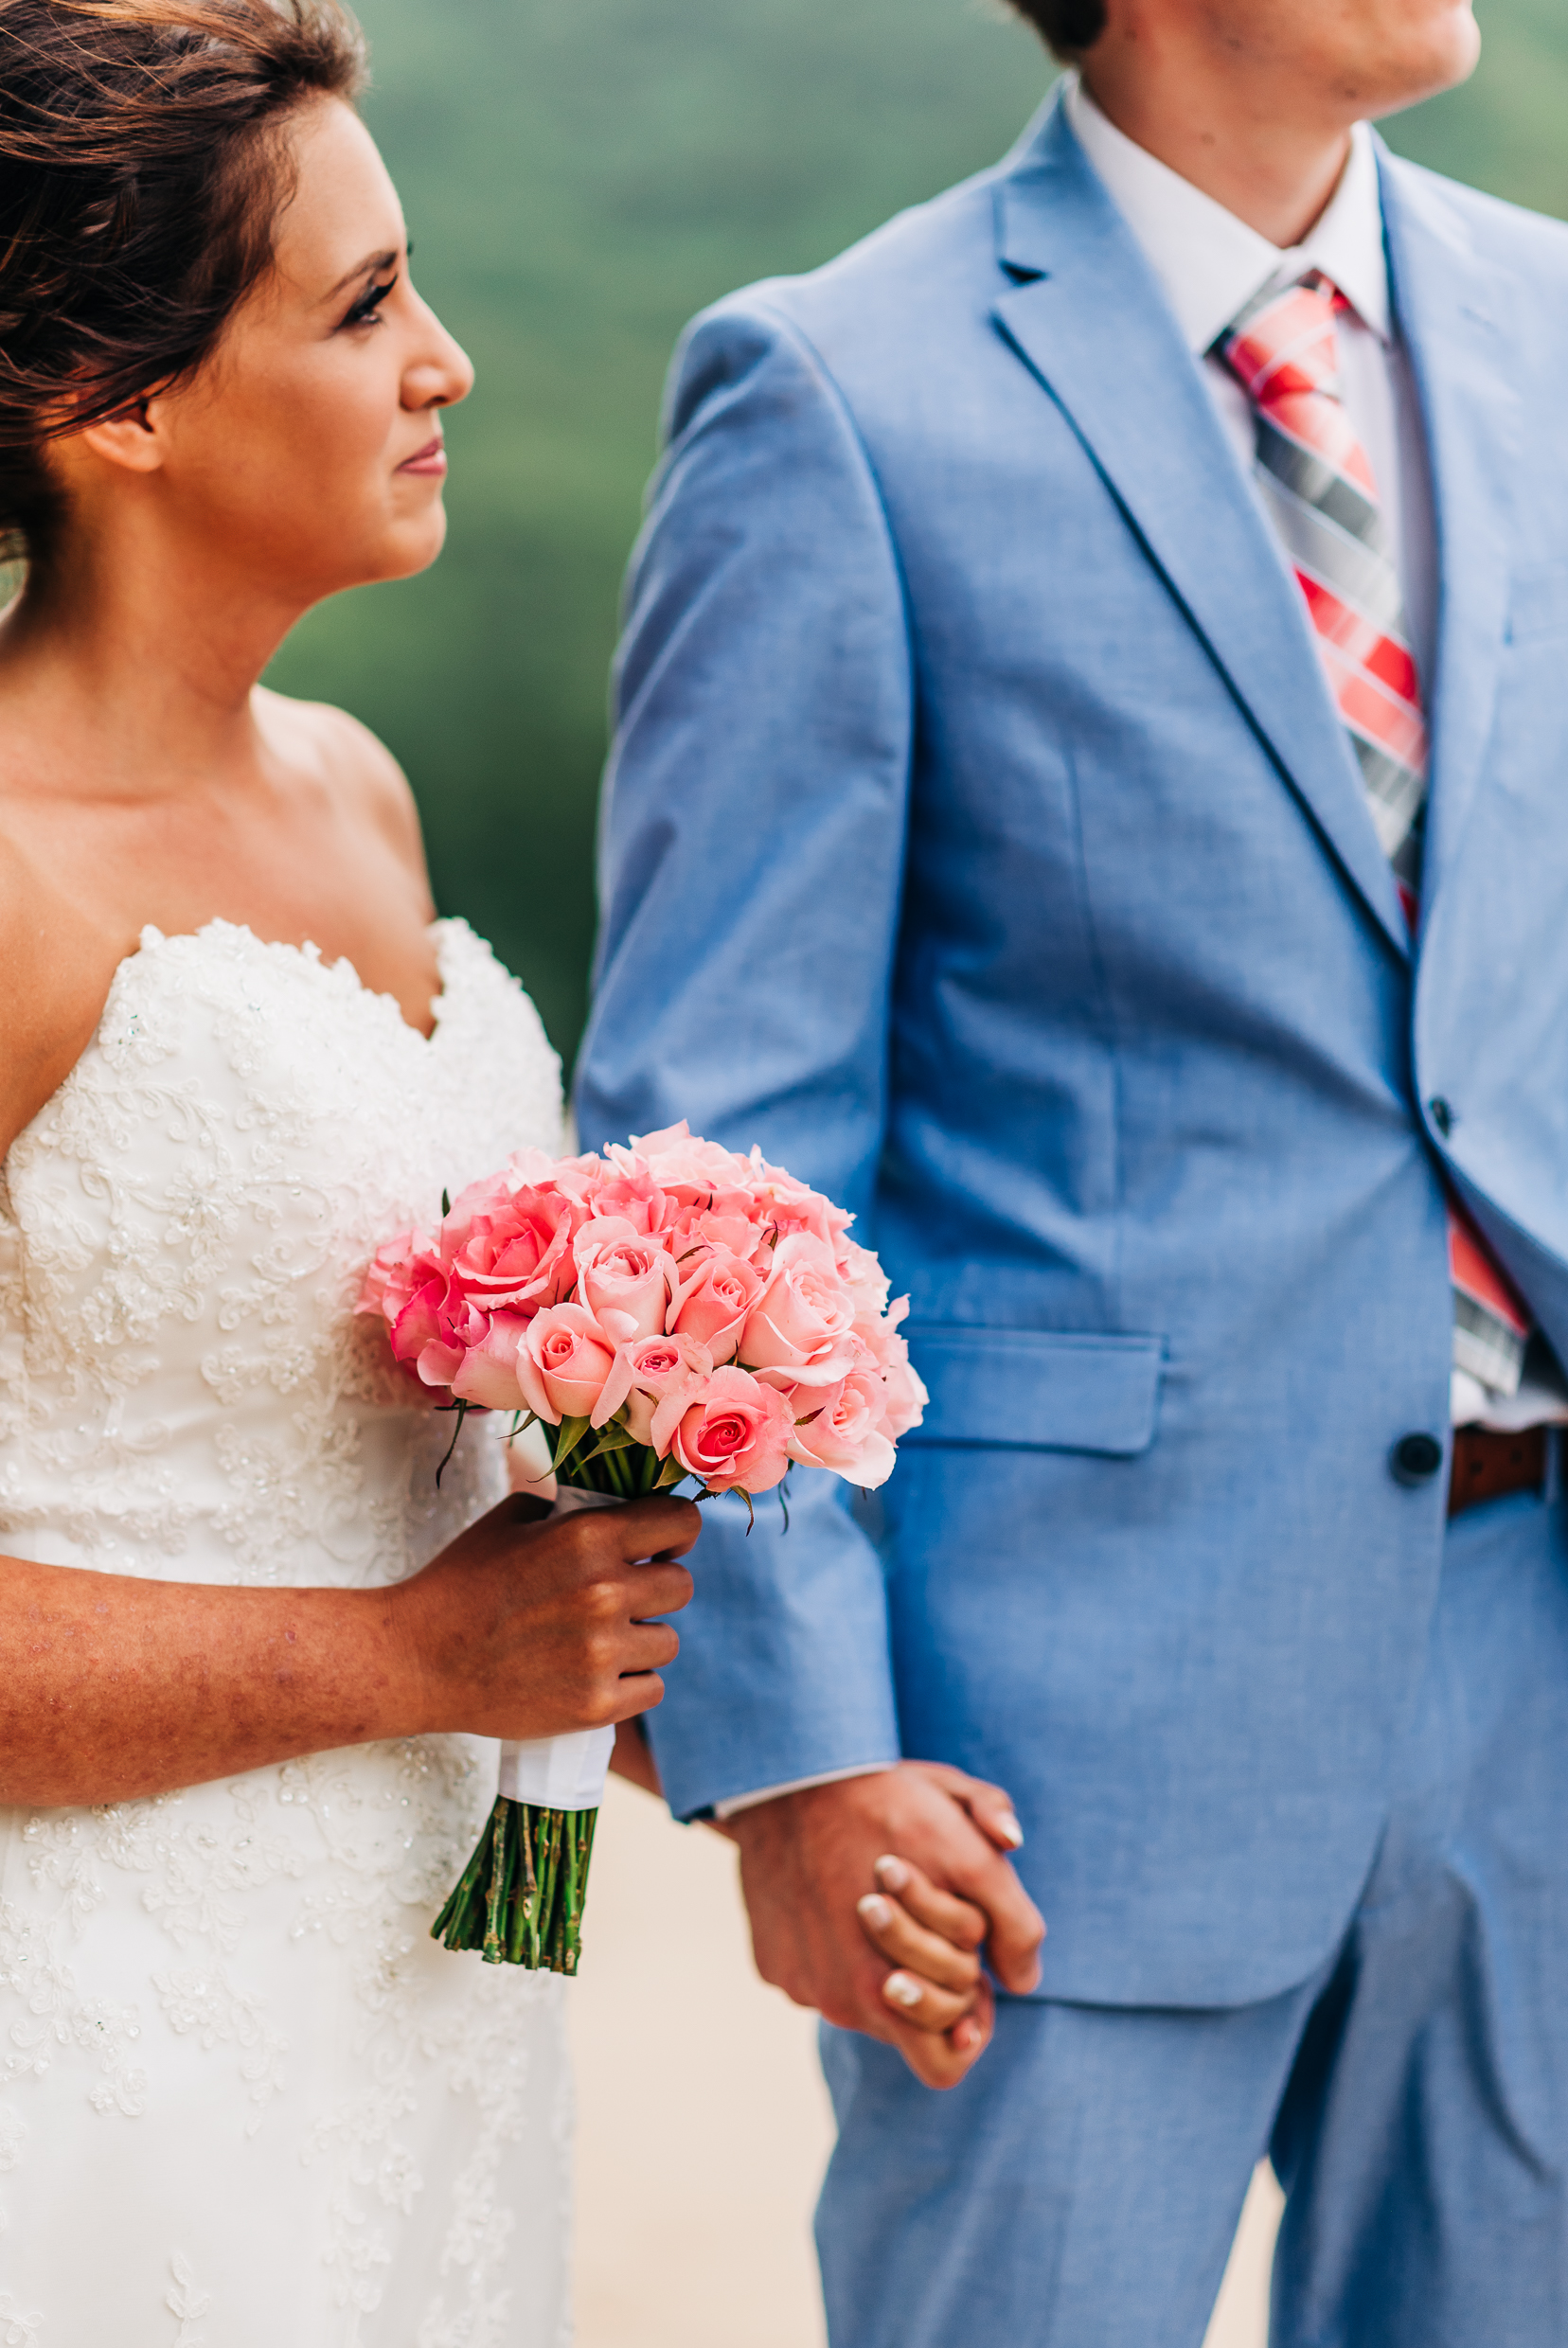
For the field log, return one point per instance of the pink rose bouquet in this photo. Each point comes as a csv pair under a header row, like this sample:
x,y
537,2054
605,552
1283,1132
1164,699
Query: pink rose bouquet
x,y
668,1312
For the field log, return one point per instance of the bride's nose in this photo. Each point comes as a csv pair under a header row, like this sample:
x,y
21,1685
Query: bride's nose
x,y
440,373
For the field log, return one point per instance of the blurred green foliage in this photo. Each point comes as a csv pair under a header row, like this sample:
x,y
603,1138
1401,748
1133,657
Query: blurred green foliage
x,y
580,177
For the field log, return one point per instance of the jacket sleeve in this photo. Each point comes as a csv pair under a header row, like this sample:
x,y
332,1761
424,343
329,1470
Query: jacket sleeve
x,y
750,873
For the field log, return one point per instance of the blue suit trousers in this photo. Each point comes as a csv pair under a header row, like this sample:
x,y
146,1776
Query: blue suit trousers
x,y
1080,2190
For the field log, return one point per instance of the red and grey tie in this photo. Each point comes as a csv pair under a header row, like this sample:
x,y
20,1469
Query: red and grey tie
x,y
1321,498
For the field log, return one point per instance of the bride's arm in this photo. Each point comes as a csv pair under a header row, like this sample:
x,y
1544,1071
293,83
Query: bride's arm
x,y
112,1687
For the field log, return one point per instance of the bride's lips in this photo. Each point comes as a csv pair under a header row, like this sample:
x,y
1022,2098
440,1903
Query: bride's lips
x,y
430,459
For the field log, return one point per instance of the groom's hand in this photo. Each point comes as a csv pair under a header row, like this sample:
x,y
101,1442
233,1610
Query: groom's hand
x,y
806,1861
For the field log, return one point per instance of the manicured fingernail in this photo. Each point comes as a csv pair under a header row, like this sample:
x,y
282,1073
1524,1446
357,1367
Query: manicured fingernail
x,y
891,1872
966,2034
875,1910
1009,1829
902,1990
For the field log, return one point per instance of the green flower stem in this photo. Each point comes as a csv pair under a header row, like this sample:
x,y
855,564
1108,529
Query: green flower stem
x,y
519,1900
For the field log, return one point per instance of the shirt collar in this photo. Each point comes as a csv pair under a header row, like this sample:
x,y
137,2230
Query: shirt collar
x,y
1211,263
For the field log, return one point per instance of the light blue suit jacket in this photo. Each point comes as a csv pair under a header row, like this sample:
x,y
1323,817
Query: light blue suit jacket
x,y
980,838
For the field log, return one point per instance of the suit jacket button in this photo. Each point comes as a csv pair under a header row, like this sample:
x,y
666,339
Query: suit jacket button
x,y
1441,1115
1415,1459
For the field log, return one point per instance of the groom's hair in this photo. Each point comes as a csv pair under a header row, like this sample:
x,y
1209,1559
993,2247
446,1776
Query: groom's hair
x,y
1067,26
143,163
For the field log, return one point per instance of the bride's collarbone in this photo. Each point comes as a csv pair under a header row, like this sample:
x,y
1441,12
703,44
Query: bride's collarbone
x,y
313,841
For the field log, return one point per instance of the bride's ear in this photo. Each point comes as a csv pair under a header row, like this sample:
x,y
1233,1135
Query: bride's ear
x,y
135,440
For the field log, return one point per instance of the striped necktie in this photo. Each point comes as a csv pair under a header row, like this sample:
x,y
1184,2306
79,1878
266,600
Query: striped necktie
x,y
1318,487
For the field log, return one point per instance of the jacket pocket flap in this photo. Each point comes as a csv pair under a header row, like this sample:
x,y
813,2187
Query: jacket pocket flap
x,y
1038,1390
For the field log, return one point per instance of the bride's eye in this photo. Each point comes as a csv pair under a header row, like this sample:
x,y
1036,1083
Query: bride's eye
x,y
366,311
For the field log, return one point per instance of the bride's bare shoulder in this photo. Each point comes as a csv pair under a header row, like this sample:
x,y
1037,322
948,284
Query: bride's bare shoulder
x,y
329,748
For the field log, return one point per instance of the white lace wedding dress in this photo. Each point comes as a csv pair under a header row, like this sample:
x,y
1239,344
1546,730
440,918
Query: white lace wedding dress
x,y
246,2101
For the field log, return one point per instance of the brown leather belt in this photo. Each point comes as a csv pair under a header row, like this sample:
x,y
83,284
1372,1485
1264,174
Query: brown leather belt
x,y
1485,1466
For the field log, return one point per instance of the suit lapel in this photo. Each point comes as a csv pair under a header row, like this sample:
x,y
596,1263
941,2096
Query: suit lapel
x,y
1088,317
1454,319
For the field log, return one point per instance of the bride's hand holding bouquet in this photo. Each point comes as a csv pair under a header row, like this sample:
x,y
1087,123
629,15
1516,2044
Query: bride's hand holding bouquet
x,y
669,1313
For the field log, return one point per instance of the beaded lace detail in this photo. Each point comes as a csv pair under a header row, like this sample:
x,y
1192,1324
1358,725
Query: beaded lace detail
x,y
185,1394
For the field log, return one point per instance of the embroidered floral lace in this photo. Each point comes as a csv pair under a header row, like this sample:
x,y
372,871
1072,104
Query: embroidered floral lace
x,y
244,2101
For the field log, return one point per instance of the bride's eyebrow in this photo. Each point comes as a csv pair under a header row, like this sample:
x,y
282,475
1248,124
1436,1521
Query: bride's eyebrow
x,y
369,267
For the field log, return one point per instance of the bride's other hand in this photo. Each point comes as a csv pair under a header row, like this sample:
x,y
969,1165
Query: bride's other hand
x,y
524,1628
933,1940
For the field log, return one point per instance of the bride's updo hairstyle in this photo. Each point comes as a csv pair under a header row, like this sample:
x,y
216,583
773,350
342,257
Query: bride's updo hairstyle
x,y
143,165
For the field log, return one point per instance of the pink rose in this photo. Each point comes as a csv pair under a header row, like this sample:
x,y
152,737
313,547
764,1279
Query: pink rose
x,y
398,1269
678,1159
572,1179
512,1247
625,1280
879,1331
535,1170
791,1207
563,1362
636,1199
655,1377
803,1321
707,1191
474,1208
735,1435
713,1304
487,1375
845,1431
866,1280
905,1396
703,1227
434,1331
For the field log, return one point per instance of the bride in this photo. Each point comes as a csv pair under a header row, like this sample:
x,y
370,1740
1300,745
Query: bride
x,y
252,1658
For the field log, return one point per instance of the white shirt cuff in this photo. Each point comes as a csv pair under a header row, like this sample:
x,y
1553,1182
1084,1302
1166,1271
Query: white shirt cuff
x,y
735,1801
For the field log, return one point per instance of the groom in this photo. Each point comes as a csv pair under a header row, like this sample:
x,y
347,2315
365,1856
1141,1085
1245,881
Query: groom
x,y
1092,794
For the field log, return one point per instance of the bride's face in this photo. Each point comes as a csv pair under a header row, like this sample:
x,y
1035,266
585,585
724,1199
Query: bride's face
x,y
309,446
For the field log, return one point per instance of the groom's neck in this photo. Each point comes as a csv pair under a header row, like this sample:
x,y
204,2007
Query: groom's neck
x,y
1253,100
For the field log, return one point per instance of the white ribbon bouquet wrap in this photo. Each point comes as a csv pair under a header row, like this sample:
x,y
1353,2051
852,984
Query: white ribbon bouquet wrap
x,y
670,1314
561,1772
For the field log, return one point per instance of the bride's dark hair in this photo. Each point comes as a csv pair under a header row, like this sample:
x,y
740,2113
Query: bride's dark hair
x,y
143,163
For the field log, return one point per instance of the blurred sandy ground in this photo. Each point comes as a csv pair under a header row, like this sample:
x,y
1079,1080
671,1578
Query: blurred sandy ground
x,y
703,2125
